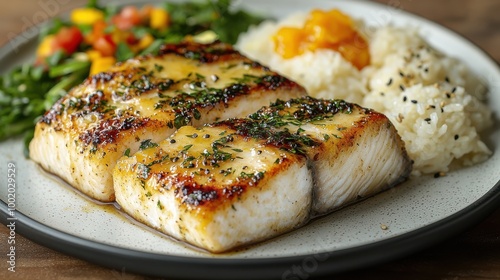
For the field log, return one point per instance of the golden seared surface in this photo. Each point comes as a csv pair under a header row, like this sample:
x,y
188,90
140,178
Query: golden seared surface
x,y
83,135
355,152
215,188
173,87
242,180
209,165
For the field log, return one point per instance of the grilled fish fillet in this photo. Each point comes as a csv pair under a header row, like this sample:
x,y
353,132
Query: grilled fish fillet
x,y
355,152
240,181
83,135
214,188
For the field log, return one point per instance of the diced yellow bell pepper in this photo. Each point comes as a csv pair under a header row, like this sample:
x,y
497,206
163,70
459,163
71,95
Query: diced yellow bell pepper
x,y
86,15
119,35
145,41
101,64
45,48
159,18
93,54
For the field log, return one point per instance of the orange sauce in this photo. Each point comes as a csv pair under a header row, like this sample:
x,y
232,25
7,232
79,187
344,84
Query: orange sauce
x,y
324,30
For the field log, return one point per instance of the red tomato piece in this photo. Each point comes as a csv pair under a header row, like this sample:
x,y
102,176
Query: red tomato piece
x,y
128,17
105,45
97,31
68,39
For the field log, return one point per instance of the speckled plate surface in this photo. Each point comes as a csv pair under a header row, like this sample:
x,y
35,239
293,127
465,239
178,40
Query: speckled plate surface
x,y
417,214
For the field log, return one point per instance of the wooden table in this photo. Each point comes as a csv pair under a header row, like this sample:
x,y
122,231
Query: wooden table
x,y
474,254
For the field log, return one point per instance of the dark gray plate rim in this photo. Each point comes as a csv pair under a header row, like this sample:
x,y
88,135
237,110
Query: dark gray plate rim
x,y
297,267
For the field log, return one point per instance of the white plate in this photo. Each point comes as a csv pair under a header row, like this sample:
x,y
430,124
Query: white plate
x,y
418,213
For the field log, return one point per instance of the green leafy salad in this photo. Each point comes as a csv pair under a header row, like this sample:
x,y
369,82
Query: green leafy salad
x,y
96,37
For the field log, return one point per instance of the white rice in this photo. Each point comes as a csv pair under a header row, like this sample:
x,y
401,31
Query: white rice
x,y
433,100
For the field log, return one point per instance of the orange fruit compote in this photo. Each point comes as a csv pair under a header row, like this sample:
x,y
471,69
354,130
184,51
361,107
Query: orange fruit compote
x,y
324,30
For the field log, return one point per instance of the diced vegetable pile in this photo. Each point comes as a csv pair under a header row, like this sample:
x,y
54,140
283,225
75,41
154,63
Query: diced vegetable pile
x,y
97,37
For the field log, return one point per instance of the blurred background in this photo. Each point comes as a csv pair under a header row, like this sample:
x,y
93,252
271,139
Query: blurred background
x,y
476,20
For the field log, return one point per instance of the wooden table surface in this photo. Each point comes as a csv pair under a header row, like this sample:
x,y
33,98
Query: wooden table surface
x,y
474,254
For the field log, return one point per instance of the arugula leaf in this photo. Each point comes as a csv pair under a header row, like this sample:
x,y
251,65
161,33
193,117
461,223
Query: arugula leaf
x,y
68,67
153,48
229,25
123,52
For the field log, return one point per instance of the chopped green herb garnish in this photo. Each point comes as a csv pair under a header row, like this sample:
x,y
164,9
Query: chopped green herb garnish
x,y
200,76
143,171
158,67
196,114
146,144
187,147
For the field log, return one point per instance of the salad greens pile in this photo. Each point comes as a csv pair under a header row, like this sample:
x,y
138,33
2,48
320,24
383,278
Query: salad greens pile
x,y
27,91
